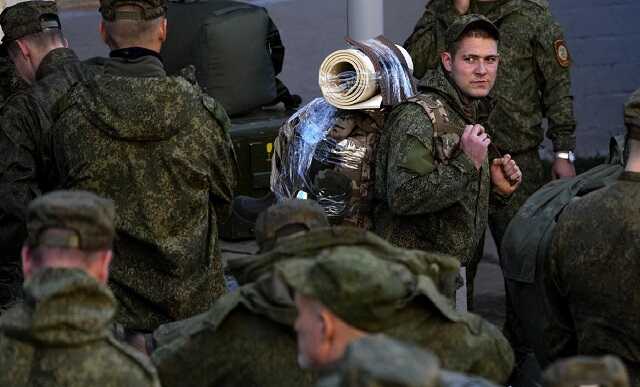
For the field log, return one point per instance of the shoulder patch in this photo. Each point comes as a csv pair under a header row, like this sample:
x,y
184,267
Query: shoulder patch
x,y
562,53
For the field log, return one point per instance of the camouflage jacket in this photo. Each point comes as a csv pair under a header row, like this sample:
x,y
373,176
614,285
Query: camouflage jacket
x,y
379,361
464,342
533,77
10,82
25,167
245,339
591,276
160,149
424,202
60,336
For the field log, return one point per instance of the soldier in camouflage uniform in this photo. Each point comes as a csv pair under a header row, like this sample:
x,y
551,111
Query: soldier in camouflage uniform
x,y
592,270
26,120
348,291
379,361
433,177
246,337
59,336
533,83
160,148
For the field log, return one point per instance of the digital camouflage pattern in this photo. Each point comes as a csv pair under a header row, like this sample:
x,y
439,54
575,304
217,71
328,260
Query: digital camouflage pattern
x,y
10,82
533,77
286,217
606,371
28,17
88,218
428,199
26,168
59,337
379,361
387,293
591,275
245,339
160,149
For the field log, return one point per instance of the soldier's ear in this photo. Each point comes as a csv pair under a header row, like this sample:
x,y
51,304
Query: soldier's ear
x,y
328,325
447,61
103,33
27,263
163,30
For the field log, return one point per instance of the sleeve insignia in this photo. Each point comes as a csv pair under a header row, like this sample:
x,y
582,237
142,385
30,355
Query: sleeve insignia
x,y
562,53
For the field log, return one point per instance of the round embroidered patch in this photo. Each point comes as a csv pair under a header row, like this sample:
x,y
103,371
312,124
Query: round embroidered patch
x,y
562,53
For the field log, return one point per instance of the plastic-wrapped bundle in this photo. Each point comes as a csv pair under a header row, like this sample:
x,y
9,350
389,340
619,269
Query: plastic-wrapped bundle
x,y
326,151
370,75
327,154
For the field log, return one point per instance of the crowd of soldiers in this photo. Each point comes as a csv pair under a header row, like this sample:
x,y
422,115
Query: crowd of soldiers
x,y
115,178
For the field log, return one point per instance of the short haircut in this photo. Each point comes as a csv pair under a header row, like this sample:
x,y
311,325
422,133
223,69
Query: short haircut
x,y
126,32
39,41
474,31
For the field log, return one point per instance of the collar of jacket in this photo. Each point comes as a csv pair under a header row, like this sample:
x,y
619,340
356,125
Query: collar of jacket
x,y
135,62
474,110
62,307
54,60
630,176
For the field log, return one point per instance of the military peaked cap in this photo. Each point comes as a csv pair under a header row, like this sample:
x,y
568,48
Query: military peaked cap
x,y
148,9
28,18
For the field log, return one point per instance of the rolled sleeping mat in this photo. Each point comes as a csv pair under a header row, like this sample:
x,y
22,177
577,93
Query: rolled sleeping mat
x,y
348,79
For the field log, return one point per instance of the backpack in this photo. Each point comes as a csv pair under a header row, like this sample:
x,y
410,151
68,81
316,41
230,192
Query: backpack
x,y
235,47
328,155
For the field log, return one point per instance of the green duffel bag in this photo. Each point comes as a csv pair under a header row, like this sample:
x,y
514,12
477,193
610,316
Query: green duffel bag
x,y
235,47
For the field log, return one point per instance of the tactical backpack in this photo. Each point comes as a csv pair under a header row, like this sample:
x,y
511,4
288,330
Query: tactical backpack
x,y
338,173
235,47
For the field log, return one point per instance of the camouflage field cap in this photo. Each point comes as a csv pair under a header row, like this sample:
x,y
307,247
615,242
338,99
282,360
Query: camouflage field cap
x,y
607,371
292,214
71,219
353,283
632,115
147,9
467,22
28,18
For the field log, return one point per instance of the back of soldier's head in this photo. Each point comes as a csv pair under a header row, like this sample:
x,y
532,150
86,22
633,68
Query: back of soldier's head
x,y
607,371
287,218
31,28
133,23
68,228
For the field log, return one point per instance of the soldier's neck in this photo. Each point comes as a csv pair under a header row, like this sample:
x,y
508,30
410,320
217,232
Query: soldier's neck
x,y
633,163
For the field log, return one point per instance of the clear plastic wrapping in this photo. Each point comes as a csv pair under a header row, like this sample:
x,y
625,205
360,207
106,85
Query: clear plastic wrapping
x,y
325,154
326,151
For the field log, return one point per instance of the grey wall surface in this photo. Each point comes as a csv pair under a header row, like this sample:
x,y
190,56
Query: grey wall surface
x,y
603,37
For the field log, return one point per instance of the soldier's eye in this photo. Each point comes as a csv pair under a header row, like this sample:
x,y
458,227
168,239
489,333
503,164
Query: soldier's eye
x,y
470,59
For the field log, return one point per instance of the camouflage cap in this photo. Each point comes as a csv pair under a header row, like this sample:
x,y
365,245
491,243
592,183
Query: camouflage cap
x,y
467,22
607,371
28,18
148,9
632,115
353,283
274,221
81,219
